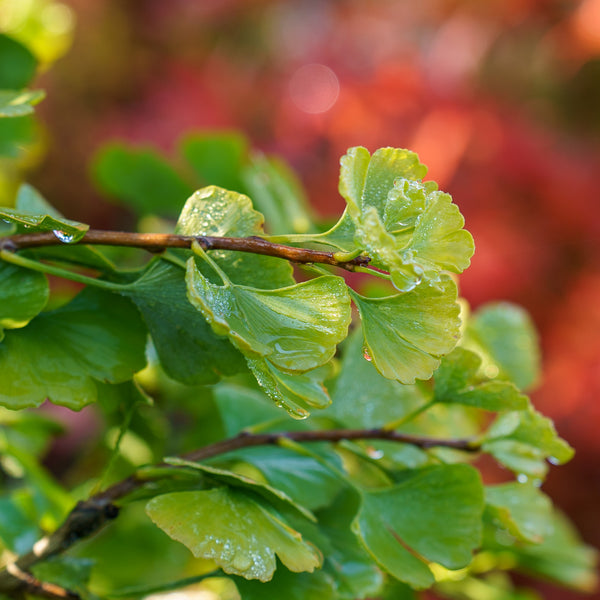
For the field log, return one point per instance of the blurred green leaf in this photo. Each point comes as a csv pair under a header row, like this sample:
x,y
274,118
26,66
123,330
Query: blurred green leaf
x,y
66,571
18,528
141,179
406,334
505,336
522,508
95,336
23,294
238,533
433,515
456,382
523,440
19,103
17,64
216,158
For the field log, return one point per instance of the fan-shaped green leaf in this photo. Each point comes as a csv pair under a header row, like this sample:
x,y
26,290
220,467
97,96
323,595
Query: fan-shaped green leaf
x,y
236,532
505,336
213,211
433,515
456,382
523,440
406,334
140,178
297,328
60,353
23,294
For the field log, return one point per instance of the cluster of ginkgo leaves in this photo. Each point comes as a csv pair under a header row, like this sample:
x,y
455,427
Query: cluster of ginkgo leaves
x,y
232,342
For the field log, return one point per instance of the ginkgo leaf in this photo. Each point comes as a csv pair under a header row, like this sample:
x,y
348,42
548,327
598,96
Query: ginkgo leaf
x,y
406,334
457,382
213,211
296,392
20,102
523,441
297,327
238,533
23,294
433,515
96,336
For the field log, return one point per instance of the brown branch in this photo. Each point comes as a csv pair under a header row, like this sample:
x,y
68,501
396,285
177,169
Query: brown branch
x,y
91,515
157,242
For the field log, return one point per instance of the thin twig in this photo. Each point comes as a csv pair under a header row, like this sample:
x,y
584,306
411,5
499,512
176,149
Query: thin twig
x,y
157,242
91,515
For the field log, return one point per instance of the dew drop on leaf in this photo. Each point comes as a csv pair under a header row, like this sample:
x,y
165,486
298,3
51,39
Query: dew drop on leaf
x,y
62,236
366,355
522,478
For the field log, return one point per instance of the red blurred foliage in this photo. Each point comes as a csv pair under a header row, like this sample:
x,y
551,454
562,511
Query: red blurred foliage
x,y
485,92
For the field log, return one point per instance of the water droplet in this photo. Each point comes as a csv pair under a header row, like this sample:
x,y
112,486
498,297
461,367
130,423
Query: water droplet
x,y
373,453
366,355
63,237
522,478
241,562
553,460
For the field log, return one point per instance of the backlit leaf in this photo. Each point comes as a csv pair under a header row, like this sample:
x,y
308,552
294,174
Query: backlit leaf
x,y
296,328
236,532
19,103
406,334
65,230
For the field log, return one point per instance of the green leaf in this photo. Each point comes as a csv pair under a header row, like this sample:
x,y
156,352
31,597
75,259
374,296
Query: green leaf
x,y
297,392
433,515
141,179
19,103
18,529
362,397
505,336
406,334
66,231
291,586
347,561
69,572
562,557
278,194
187,347
213,211
270,494
95,336
17,64
23,294
522,509
216,158
237,533
296,328
456,382
523,440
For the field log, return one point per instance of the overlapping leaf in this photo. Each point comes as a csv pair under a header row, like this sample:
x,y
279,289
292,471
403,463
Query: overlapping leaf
x,y
297,328
213,211
236,532
406,334
524,440
433,515
61,352
19,103
457,382
187,347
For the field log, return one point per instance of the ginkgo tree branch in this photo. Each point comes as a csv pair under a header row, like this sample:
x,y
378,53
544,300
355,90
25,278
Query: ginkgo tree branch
x,y
91,515
157,242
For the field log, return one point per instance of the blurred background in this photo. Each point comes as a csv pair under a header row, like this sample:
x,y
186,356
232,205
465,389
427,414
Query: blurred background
x,y
500,98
